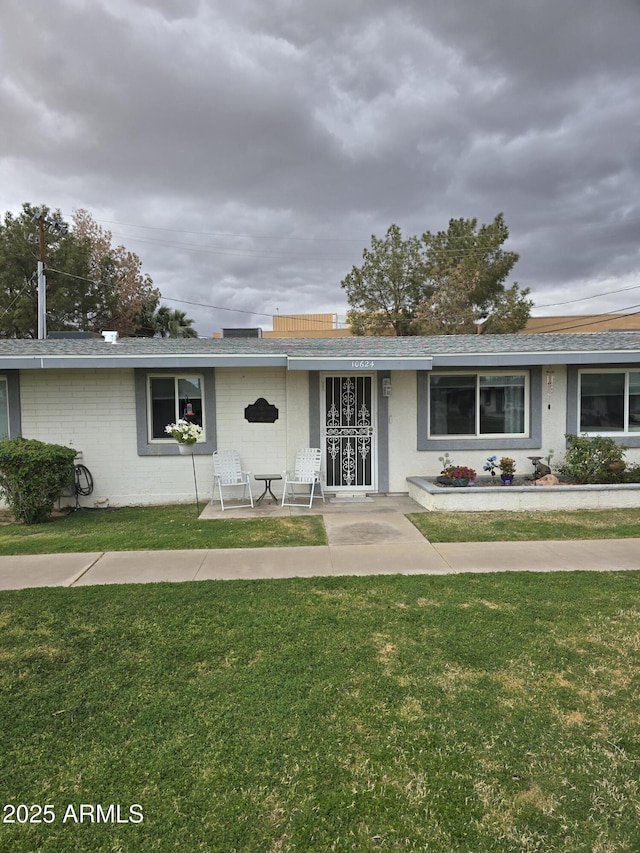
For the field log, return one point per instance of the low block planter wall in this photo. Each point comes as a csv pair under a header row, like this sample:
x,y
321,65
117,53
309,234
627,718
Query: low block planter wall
x,y
426,492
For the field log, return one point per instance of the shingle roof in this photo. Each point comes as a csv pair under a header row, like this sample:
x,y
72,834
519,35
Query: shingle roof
x,y
560,348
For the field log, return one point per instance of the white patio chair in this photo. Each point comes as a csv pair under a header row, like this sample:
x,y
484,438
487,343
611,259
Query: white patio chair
x,y
306,473
227,473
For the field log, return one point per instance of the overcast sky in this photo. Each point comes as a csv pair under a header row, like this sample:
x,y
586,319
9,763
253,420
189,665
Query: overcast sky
x,y
248,150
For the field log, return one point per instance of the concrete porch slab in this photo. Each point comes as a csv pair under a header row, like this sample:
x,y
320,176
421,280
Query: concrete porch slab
x,y
402,504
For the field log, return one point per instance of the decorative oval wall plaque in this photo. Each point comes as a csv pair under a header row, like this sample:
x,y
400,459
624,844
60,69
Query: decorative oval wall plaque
x,y
261,412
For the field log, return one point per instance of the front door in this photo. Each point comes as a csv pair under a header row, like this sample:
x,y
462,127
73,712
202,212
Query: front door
x,y
348,433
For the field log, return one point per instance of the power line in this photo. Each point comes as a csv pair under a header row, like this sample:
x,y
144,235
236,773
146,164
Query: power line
x,y
273,237
28,282
219,250
298,317
229,234
185,301
584,298
570,327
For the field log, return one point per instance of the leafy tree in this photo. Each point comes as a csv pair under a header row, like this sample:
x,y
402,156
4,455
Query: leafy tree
x,y
383,293
450,311
131,295
466,270
509,311
441,283
475,253
19,252
91,285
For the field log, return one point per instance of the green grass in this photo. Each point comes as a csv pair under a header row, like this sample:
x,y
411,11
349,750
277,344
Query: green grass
x,y
466,713
521,526
177,527
155,528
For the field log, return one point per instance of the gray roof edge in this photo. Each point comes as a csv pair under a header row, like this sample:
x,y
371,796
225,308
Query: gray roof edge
x,y
174,360
516,359
359,363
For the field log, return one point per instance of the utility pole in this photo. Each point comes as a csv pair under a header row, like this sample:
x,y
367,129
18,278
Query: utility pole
x,y
42,282
61,229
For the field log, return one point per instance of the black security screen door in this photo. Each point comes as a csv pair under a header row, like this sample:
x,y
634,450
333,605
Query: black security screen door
x,y
348,432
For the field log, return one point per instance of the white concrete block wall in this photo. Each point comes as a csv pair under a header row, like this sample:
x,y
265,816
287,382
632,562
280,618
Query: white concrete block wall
x,y
94,411
297,414
262,447
404,458
554,414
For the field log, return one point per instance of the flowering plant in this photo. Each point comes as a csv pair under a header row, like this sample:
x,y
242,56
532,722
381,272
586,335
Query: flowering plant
x,y
458,472
184,432
507,465
490,465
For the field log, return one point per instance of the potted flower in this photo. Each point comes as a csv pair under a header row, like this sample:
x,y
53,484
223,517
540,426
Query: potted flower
x,y
490,465
185,433
456,475
507,467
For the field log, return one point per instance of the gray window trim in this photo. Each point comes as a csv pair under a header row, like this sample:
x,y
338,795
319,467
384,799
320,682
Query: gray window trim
x,y
13,399
170,448
573,401
533,440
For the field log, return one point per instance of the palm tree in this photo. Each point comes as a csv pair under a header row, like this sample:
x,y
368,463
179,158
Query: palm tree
x,y
172,323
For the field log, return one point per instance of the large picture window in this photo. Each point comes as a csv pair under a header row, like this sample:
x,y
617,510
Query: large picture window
x,y
609,401
478,404
170,398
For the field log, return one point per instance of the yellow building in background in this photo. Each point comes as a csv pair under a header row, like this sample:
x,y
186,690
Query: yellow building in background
x,y
326,325
306,326
582,323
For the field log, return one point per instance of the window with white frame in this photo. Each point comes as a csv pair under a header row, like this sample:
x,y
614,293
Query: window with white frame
x,y
478,404
4,408
171,397
609,401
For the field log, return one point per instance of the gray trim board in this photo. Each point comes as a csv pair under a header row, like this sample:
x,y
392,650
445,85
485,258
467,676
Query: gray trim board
x,y
502,361
383,433
314,409
357,364
534,440
170,448
174,361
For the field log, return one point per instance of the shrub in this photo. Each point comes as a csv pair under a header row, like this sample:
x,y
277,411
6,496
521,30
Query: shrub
x,y
593,459
33,475
631,474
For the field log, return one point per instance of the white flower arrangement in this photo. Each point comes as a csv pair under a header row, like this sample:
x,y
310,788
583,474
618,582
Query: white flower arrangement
x,y
185,432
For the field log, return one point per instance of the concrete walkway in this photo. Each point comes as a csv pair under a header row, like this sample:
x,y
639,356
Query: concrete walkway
x,y
365,538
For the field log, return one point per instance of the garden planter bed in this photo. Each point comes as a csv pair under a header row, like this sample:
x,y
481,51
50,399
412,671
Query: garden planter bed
x,y
486,495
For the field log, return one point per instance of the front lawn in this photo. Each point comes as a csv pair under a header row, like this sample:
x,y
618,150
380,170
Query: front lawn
x,y
469,713
527,526
155,528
